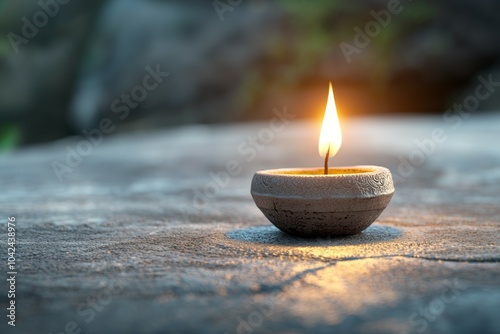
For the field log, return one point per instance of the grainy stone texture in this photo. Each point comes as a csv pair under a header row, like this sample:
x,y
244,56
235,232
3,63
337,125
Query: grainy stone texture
x,y
126,243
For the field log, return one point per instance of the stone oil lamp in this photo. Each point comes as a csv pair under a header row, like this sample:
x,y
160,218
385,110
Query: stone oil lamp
x,y
329,201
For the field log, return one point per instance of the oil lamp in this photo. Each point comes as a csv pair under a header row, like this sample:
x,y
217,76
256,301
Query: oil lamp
x,y
328,201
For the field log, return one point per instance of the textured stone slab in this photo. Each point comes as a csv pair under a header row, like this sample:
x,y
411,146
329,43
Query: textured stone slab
x,y
126,243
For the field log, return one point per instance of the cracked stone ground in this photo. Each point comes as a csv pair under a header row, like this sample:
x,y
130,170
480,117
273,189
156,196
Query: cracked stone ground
x,y
123,244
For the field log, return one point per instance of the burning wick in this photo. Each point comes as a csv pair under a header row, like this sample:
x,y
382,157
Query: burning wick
x,y
326,160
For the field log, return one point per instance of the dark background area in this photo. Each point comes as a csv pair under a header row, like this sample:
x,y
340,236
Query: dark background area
x,y
234,61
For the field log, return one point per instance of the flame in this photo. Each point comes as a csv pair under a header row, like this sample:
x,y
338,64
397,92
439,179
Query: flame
x,y
330,135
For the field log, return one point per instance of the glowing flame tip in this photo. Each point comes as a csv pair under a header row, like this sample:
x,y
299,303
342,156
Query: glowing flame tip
x,y
330,136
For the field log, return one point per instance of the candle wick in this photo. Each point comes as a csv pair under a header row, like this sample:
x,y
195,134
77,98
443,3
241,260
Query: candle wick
x,y
326,159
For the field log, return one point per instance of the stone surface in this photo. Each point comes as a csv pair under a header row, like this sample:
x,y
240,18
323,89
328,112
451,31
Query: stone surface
x,y
147,235
305,202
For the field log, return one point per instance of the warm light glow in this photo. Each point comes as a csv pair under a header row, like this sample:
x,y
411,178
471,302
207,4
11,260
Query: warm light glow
x,y
330,134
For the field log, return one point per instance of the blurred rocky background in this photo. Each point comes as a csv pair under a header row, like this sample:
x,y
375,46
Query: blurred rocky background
x,y
67,65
